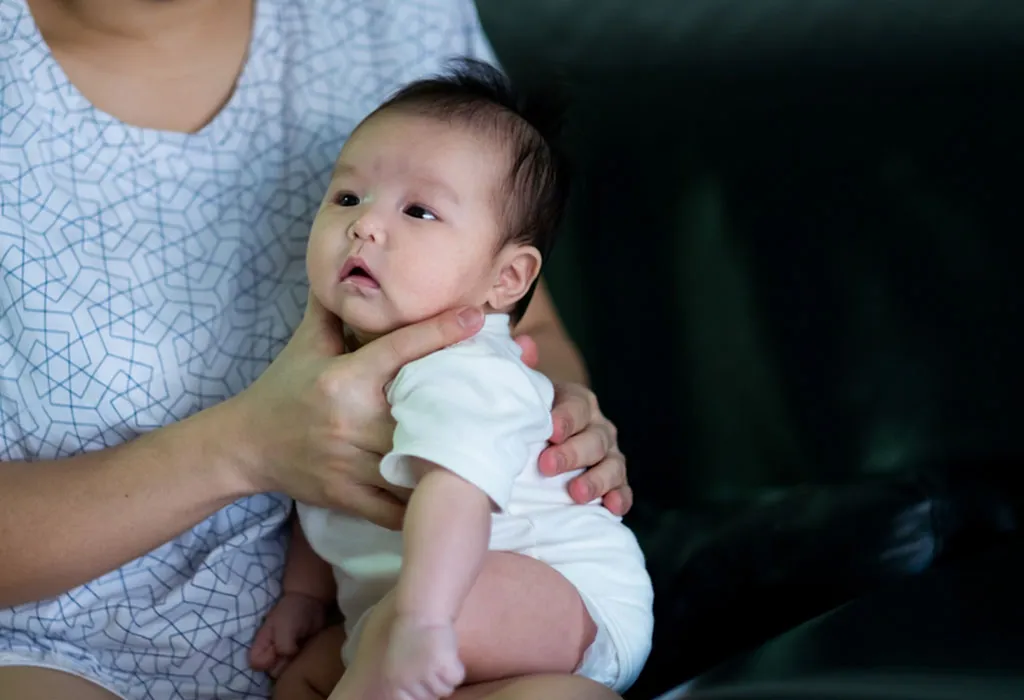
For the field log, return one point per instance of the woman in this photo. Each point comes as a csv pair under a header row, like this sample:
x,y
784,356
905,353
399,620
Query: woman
x,y
160,163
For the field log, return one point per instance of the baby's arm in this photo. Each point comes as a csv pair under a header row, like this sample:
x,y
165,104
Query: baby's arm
x,y
307,591
445,536
465,423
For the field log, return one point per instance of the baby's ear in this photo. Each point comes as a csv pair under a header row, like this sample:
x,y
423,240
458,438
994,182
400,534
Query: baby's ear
x,y
517,267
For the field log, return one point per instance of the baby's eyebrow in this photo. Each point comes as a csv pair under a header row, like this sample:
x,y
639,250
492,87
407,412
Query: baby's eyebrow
x,y
343,168
439,187
436,185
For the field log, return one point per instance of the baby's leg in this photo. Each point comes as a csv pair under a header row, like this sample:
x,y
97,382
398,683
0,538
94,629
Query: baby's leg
x,y
520,618
36,683
542,687
316,670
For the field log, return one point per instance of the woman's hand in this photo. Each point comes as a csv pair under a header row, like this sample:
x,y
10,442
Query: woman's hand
x,y
318,421
583,437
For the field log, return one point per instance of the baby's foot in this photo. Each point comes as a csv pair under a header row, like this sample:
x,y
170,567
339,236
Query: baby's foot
x,y
422,660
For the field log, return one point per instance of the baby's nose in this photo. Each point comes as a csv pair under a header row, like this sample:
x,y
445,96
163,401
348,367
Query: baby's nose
x,y
367,228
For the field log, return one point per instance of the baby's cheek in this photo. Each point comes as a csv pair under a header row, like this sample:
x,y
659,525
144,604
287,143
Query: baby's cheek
x,y
435,275
317,253
323,276
430,292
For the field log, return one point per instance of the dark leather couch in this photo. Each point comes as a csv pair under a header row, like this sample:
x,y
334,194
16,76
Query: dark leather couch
x,y
792,263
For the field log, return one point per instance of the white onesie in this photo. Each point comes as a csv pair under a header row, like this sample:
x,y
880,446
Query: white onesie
x,y
478,411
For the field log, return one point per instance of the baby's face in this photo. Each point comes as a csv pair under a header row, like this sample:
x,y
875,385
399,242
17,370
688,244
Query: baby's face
x,y
409,225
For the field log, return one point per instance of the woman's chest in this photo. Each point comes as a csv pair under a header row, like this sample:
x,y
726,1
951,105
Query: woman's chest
x,y
177,84
132,298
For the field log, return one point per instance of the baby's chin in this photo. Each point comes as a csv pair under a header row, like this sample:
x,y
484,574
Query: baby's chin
x,y
366,329
365,323
362,316
371,318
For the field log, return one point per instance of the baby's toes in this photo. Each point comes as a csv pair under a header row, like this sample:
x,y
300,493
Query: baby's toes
x,y
438,687
448,677
426,691
412,691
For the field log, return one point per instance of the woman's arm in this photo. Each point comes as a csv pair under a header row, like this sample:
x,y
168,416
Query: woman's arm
x,y
65,522
583,436
313,425
559,359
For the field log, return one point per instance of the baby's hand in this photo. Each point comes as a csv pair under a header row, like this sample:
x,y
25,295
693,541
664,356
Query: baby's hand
x,y
294,619
422,661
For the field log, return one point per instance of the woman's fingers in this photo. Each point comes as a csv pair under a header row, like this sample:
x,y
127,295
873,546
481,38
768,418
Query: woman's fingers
x,y
388,354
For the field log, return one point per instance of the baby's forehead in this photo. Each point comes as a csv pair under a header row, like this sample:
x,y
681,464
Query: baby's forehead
x,y
398,129
429,151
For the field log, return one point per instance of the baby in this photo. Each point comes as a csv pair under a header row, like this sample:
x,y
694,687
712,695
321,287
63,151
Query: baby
x,y
449,195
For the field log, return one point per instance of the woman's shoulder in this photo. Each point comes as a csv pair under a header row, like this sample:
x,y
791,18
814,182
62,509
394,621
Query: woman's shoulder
x,y
19,42
394,41
11,13
448,16
329,63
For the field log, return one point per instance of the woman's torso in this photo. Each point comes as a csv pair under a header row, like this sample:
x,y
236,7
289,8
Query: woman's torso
x,y
146,275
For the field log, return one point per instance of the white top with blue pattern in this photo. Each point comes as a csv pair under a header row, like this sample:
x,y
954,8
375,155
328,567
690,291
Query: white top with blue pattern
x,y
145,275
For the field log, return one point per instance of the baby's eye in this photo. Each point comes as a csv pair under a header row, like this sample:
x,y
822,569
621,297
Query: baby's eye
x,y
346,199
418,212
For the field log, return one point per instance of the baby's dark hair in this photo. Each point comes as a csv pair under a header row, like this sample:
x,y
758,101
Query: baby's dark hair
x,y
536,190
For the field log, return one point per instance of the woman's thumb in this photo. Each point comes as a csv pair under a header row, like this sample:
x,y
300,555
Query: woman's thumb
x,y
324,327
531,355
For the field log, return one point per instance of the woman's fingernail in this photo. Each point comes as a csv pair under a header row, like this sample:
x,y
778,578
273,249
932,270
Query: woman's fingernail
x,y
561,464
468,318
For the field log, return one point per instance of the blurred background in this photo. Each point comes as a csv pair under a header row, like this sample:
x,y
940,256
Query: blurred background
x,y
793,264
795,243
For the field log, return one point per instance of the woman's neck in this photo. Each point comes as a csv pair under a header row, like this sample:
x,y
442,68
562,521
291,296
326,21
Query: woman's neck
x,y
128,19
169,65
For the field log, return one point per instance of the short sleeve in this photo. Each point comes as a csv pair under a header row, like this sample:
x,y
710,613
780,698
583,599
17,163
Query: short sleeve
x,y
478,416
478,46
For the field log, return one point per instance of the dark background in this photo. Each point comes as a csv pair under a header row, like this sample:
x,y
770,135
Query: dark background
x,y
795,241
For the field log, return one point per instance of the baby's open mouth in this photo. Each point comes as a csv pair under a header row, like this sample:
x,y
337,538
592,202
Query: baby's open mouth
x,y
356,272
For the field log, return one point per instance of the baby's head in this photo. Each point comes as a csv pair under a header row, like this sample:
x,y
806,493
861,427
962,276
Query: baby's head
x,y
449,194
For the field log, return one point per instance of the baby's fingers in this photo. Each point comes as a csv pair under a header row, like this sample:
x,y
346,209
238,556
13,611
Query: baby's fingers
x,y
279,668
286,641
262,654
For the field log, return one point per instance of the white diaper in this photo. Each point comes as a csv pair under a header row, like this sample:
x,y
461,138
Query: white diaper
x,y
602,560
617,655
